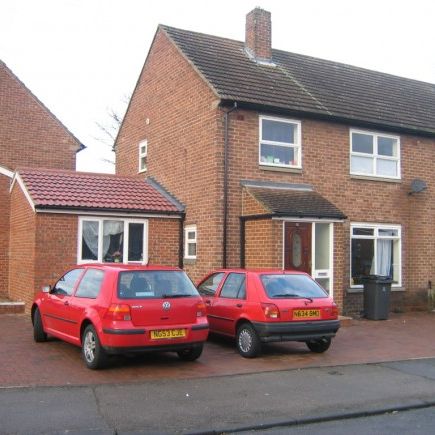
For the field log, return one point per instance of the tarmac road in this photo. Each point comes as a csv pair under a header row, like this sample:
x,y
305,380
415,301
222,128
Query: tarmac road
x,y
220,404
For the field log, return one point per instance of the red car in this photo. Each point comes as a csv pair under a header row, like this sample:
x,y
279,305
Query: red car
x,y
259,306
109,309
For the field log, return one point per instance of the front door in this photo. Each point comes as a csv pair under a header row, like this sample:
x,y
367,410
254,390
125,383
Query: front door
x,y
297,246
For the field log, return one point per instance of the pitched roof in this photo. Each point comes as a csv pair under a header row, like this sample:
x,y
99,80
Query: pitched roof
x,y
307,85
293,201
69,190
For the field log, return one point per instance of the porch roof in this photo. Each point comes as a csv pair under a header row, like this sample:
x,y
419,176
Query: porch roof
x,y
295,202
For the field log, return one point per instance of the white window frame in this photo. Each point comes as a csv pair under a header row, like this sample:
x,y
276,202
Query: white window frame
x,y
100,238
375,156
188,229
375,237
142,155
297,145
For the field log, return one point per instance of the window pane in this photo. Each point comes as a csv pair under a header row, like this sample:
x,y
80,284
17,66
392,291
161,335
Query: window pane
x,y
296,250
90,285
66,284
387,167
387,146
362,143
278,131
191,249
384,261
113,241
135,242
322,247
362,259
191,235
278,155
210,285
362,165
234,284
363,231
388,233
291,286
90,240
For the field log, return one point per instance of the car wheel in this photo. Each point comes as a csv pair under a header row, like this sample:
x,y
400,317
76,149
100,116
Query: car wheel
x,y
190,354
319,346
247,341
94,355
38,330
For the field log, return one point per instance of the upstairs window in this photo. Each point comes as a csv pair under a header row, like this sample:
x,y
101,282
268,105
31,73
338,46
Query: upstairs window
x,y
280,142
190,235
374,154
143,152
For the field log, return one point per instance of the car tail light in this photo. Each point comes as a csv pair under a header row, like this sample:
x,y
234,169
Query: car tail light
x,y
119,312
334,311
271,311
200,309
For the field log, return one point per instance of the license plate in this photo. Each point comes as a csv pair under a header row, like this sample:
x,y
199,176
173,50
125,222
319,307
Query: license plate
x,y
306,314
168,333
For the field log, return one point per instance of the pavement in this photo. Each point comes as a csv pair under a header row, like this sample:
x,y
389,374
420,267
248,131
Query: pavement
x,y
371,367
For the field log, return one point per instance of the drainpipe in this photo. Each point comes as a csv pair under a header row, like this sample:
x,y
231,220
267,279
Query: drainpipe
x,y
181,242
226,164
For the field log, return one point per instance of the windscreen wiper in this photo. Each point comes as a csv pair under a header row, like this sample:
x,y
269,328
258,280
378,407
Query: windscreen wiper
x,y
176,295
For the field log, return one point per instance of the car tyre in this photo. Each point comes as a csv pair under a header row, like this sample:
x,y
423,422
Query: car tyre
x,y
93,353
190,354
247,341
39,334
319,346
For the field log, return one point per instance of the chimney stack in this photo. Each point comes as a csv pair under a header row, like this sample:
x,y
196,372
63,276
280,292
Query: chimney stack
x,y
258,42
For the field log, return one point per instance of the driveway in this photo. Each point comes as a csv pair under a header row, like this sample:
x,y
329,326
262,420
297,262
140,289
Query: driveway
x,y
54,363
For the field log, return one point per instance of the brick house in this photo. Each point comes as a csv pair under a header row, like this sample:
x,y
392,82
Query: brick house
x,y
284,160
61,218
30,135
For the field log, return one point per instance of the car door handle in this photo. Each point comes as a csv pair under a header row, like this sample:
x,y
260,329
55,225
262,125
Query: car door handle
x,y
239,305
207,302
66,303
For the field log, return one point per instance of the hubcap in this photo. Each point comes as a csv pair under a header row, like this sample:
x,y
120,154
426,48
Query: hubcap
x,y
245,340
89,346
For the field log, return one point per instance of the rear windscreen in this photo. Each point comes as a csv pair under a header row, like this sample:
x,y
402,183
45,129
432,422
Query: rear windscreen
x,y
291,286
139,284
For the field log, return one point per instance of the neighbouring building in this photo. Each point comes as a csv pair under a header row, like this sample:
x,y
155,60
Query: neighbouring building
x,y
30,135
285,160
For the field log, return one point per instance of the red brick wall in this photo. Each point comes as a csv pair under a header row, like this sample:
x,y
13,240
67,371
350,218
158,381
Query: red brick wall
x,y
29,133
22,248
163,238
176,112
4,234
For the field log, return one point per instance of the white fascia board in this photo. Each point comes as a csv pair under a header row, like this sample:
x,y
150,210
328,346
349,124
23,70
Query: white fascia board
x,y
7,172
19,180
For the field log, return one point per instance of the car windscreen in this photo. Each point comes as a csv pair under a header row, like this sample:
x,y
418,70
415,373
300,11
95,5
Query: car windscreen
x,y
286,286
140,284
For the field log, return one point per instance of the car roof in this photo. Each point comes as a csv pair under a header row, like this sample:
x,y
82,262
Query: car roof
x,y
125,267
262,271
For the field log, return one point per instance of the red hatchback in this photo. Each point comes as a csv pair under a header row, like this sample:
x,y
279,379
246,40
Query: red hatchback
x,y
259,306
109,309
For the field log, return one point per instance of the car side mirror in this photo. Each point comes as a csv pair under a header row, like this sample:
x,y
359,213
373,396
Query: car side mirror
x,y
46,288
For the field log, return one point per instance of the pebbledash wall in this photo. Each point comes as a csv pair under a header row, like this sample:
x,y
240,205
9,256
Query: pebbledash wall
x,y
45,245
30,136
179,115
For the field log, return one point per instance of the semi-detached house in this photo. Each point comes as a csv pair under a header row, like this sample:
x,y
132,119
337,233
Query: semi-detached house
x,y
285,160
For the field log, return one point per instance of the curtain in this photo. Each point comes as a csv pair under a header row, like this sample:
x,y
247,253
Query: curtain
x,y
111,228
90,236
384,257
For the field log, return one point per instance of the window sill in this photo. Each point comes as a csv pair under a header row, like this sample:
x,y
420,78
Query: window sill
x,y
189,260
353,290
278,169
373,178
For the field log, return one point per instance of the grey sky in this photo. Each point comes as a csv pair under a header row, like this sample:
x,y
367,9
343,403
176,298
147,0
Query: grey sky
x,y
81,57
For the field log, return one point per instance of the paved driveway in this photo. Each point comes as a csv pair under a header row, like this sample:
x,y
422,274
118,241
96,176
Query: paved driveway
x,y
54,363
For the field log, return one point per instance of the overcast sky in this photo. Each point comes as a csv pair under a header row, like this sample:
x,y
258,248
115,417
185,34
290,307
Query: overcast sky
x,y
82,57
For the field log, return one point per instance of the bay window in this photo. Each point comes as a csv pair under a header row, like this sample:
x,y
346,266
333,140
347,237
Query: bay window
x,y
107,240
375,250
